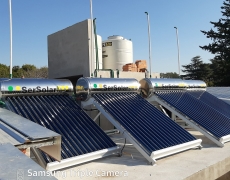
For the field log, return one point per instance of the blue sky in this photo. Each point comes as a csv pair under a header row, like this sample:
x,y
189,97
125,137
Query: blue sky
x,y
34,20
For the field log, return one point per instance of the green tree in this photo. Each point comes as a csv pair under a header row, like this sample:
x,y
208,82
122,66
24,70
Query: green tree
x,y
27,70
36,72
220,45
169,75
28,67
216,67
198,70
43,71
4,71
17,72
193,70
206,73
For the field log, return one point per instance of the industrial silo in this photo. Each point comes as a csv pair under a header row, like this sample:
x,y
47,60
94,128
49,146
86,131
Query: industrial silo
x,y
116,52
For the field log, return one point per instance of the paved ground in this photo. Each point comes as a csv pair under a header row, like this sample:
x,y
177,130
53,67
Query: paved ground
x,y
132,164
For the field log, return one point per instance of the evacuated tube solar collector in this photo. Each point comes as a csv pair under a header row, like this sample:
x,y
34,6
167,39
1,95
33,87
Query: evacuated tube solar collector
x,y
188,100
46,102
138,121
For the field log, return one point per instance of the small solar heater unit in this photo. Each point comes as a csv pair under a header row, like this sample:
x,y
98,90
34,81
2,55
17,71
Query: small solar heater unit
x,y
188,100
152,133
48,102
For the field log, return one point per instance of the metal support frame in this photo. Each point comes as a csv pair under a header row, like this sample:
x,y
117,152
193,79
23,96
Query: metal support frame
x,y
38,144
225,139
38,157
82,159
175,149
189,121
86,103
97,116
112,131
155,154
173,117
163,110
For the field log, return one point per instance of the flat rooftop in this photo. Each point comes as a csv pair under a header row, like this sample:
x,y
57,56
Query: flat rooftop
x,y
209,163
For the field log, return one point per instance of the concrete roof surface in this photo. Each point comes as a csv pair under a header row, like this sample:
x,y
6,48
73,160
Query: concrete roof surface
x,y
132,165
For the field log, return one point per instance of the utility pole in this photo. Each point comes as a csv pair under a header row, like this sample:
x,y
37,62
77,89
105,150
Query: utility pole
x,y
91,62
178,49
150,58
11,49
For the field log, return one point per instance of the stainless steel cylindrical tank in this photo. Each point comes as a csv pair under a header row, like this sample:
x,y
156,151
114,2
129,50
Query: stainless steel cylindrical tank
x,y
31,85
116,52
195,84
87,86
150,85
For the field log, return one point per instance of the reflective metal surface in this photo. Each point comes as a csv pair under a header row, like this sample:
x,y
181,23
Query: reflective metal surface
x,y
23,126
25,131
149,85
87,86
28,86
3,79
195,83
16,165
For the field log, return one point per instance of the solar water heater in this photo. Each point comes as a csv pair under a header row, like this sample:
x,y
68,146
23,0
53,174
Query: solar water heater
x,y
152,133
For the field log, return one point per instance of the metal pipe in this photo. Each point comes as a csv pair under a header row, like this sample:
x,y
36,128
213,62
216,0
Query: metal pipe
x,y
150,58
117,73
92,40
178,49
11,47
95,37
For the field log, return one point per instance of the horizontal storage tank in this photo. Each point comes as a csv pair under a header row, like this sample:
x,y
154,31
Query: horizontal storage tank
x,y
150,85
31,86
87,86
195,84
99,46
116,52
